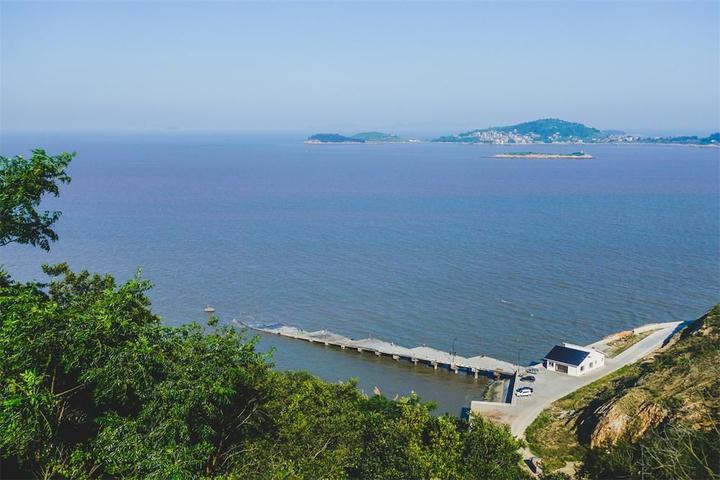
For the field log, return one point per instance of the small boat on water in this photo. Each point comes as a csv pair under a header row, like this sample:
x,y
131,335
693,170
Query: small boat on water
x,y
208,309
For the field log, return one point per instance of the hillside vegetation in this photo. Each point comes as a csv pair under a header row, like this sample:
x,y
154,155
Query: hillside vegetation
x,y
378,137
362,137
554,130
547,127
541,131
659,418
333,138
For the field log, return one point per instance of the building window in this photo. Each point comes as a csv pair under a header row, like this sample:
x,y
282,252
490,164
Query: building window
x,y
582,368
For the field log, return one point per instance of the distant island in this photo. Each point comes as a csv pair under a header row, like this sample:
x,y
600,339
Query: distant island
x,y
546,130
379,137
332,138
712,139
574,155
363,137
553,130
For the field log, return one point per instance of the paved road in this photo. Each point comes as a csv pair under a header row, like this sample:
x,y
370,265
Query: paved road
x,y
552,386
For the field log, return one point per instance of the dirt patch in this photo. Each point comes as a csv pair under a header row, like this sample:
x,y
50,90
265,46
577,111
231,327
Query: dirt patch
x,y
623,341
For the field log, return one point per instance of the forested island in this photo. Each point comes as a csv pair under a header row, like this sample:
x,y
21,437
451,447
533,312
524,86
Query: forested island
x,y
553,130
332,138
546,130
363,137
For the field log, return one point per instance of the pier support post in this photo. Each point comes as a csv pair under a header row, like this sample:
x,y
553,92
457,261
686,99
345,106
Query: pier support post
x,y
475,372
342,347
396,357
434,364
378,354
326,344
359,349
414,360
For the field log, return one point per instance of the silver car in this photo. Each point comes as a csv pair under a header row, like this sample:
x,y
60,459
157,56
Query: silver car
x,y
523,392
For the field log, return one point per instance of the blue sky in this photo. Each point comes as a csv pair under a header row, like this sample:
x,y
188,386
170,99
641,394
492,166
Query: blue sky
x,y
647,67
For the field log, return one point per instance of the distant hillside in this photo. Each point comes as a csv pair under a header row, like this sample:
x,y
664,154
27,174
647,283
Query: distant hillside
x,y
363,137
378,137
550,128
332,138
546,130
661,415
712,139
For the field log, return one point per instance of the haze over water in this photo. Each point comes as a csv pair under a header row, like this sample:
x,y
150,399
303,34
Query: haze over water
x,y
417,244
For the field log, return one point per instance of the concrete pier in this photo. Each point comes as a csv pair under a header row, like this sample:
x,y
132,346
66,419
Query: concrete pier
x,y
476,365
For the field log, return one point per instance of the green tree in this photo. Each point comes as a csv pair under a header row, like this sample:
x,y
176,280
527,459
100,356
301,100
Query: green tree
x,y
23,183
394,439
445,455
58,344
313,430
92,383
490,452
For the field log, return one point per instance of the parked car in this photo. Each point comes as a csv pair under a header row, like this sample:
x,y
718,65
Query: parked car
x,y
524,392
527,378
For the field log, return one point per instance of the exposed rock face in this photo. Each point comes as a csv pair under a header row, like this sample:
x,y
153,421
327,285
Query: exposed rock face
x,y
624,418
681,376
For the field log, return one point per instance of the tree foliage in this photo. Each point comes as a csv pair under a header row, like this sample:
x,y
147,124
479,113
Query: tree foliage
x,y
23,183
93,385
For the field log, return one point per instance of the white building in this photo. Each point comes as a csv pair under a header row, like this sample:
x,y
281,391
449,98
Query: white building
x,y
573,359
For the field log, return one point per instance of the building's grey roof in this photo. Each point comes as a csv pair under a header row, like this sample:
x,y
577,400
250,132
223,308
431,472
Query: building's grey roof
x,y
570,356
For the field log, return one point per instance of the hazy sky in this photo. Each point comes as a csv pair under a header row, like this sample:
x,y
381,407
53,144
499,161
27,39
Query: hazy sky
x,y
402,66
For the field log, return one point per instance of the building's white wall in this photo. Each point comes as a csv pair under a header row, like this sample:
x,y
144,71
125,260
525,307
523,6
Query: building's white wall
x,y
550,365
595,358
593,361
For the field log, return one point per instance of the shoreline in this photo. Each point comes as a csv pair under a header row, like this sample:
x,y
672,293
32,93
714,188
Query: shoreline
x,y
584,156
315,142
641,144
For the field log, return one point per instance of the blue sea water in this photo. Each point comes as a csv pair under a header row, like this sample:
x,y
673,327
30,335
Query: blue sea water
x,y
414,243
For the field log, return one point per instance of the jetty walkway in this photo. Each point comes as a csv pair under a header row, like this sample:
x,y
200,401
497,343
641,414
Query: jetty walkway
x,y
478,365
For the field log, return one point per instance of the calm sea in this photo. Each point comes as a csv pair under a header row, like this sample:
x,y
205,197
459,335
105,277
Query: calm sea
x,y
417,244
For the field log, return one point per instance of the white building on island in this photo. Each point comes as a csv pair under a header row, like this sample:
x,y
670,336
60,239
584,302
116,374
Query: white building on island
x,y
573,359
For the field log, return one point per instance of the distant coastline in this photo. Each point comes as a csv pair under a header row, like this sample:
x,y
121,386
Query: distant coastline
x,y
546,131
556,131
363,137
